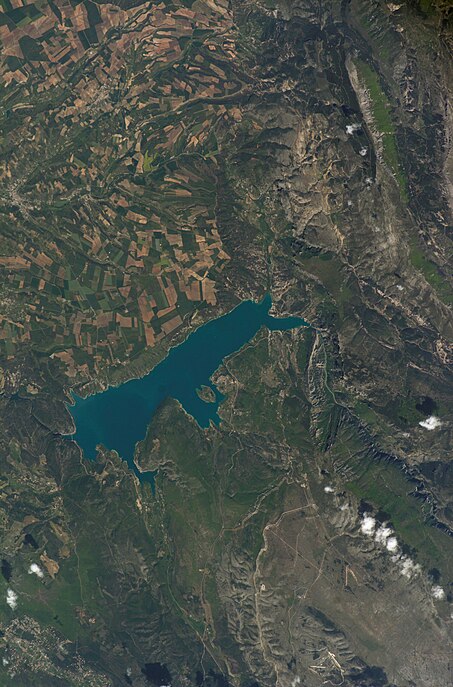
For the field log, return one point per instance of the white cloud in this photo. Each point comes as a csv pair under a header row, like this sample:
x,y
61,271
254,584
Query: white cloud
x,y
392,544
363,151
34,569
385,536
11,598
329,490
368,524
352,128
431,422
408,567
438,592
382,534
5,661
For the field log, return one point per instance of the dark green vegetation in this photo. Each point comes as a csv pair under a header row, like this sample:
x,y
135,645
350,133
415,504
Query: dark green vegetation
x,y
160,164
431,273
380,108
440,11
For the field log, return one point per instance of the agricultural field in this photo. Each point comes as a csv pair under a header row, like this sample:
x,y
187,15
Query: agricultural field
x,y
225,343
109,183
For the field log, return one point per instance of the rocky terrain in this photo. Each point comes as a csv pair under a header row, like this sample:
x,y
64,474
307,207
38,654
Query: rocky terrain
x,y
298,148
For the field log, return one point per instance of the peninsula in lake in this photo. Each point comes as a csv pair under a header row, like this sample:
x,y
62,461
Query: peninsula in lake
x,y
119,417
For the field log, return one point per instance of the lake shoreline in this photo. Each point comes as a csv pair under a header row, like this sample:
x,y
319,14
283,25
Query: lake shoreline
x,y
118,417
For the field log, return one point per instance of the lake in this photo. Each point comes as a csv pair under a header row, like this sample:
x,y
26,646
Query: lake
x,y
118,417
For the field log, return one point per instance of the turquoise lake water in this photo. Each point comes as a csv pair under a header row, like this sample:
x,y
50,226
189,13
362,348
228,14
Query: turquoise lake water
x,y
118,418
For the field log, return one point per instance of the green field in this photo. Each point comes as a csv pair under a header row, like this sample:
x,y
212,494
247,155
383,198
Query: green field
x,y
381,110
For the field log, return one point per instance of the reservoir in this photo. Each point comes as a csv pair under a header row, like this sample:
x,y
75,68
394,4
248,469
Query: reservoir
x,y
118,417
